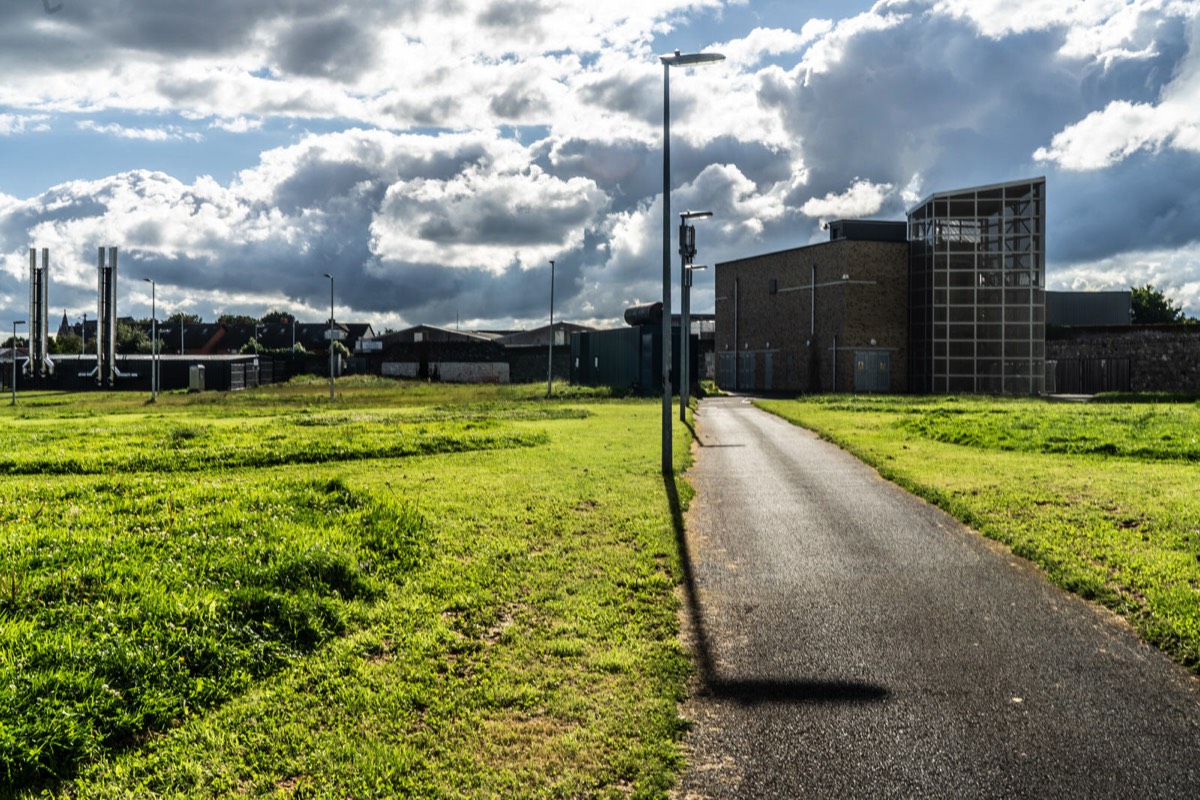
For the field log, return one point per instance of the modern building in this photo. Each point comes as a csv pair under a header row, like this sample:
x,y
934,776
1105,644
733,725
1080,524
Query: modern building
x,y
953,300
977,290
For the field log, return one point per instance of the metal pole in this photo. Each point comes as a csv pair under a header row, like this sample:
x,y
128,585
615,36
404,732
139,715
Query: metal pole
x,y
153,341
685,280
154,338
550,365
689,59
83,337
667,461
331,339
13,352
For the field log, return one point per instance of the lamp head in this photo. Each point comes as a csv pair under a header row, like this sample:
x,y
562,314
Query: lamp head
x,y
678,59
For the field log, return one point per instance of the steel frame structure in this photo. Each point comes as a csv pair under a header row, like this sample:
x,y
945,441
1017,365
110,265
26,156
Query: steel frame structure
x,y
977,296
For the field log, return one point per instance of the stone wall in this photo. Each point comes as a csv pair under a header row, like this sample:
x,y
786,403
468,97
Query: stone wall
x,y
1160,358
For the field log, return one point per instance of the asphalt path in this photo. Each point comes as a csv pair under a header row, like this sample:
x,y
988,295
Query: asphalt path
x,y
854,641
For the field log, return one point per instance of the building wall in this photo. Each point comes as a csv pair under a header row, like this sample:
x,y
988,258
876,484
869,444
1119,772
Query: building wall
x,y
1139,358
768,337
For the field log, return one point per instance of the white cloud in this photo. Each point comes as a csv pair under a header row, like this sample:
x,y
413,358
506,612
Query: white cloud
x,y
999,18
237,124
485,219
166,133
1122,128
862,199
12,124
828,51
1176,272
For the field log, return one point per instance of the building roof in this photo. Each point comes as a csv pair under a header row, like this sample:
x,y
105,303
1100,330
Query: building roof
x,y
868,230
540,336
432,333
973,189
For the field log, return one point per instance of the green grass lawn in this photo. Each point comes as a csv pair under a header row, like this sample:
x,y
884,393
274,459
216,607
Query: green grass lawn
x,y
1103,496
415,590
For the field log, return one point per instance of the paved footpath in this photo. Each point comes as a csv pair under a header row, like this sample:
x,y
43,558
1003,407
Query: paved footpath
x,y
856,642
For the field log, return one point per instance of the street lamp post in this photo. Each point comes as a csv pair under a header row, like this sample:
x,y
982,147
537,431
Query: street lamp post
x,y
687,252
331,340
550,364
680,60
83,337
13,352
153,341
687,347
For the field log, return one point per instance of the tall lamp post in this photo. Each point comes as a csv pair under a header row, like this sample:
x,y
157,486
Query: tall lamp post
x,y
550,360
687,252
676,59
153,341
331,340
13,352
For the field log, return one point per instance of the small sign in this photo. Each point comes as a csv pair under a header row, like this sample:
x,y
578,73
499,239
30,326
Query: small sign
x,y
335,334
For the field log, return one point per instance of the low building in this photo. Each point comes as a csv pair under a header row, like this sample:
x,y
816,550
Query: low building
x,y
431,353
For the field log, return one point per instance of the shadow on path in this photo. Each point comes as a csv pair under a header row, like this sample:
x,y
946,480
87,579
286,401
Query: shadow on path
x,y
750,691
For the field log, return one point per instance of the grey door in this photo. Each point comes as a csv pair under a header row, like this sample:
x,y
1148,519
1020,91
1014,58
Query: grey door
x,y
872,371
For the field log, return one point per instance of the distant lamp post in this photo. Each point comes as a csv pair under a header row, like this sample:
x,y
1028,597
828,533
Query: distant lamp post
x,y
13,352
550,365
687,336
687,252
83,337
153,341
676,59
331,339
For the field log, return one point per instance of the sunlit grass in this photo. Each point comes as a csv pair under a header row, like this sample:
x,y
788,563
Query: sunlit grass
x,y
454,621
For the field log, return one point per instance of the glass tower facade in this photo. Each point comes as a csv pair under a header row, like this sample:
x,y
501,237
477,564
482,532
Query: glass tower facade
x,y
977,297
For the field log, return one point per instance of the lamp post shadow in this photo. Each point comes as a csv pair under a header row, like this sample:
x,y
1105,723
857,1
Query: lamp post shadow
x,y
749,691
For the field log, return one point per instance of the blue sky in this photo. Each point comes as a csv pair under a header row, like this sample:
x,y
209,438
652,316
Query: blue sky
x,y
435,160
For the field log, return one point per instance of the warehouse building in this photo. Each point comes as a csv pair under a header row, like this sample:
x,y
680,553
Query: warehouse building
x,y
952,300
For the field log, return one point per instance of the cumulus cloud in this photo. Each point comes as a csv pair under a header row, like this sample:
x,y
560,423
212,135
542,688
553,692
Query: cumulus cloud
x,y
1122,128
474,140
11,124
862,199
1174,271
163,134
484,219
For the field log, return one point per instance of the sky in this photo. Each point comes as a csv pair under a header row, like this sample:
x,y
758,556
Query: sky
x,y
435,155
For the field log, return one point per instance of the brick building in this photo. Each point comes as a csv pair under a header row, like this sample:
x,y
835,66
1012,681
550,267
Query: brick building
x,y
952,300
823,318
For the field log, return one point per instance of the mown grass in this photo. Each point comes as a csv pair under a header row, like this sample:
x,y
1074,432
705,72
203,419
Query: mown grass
x,y
1102,497
460,621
